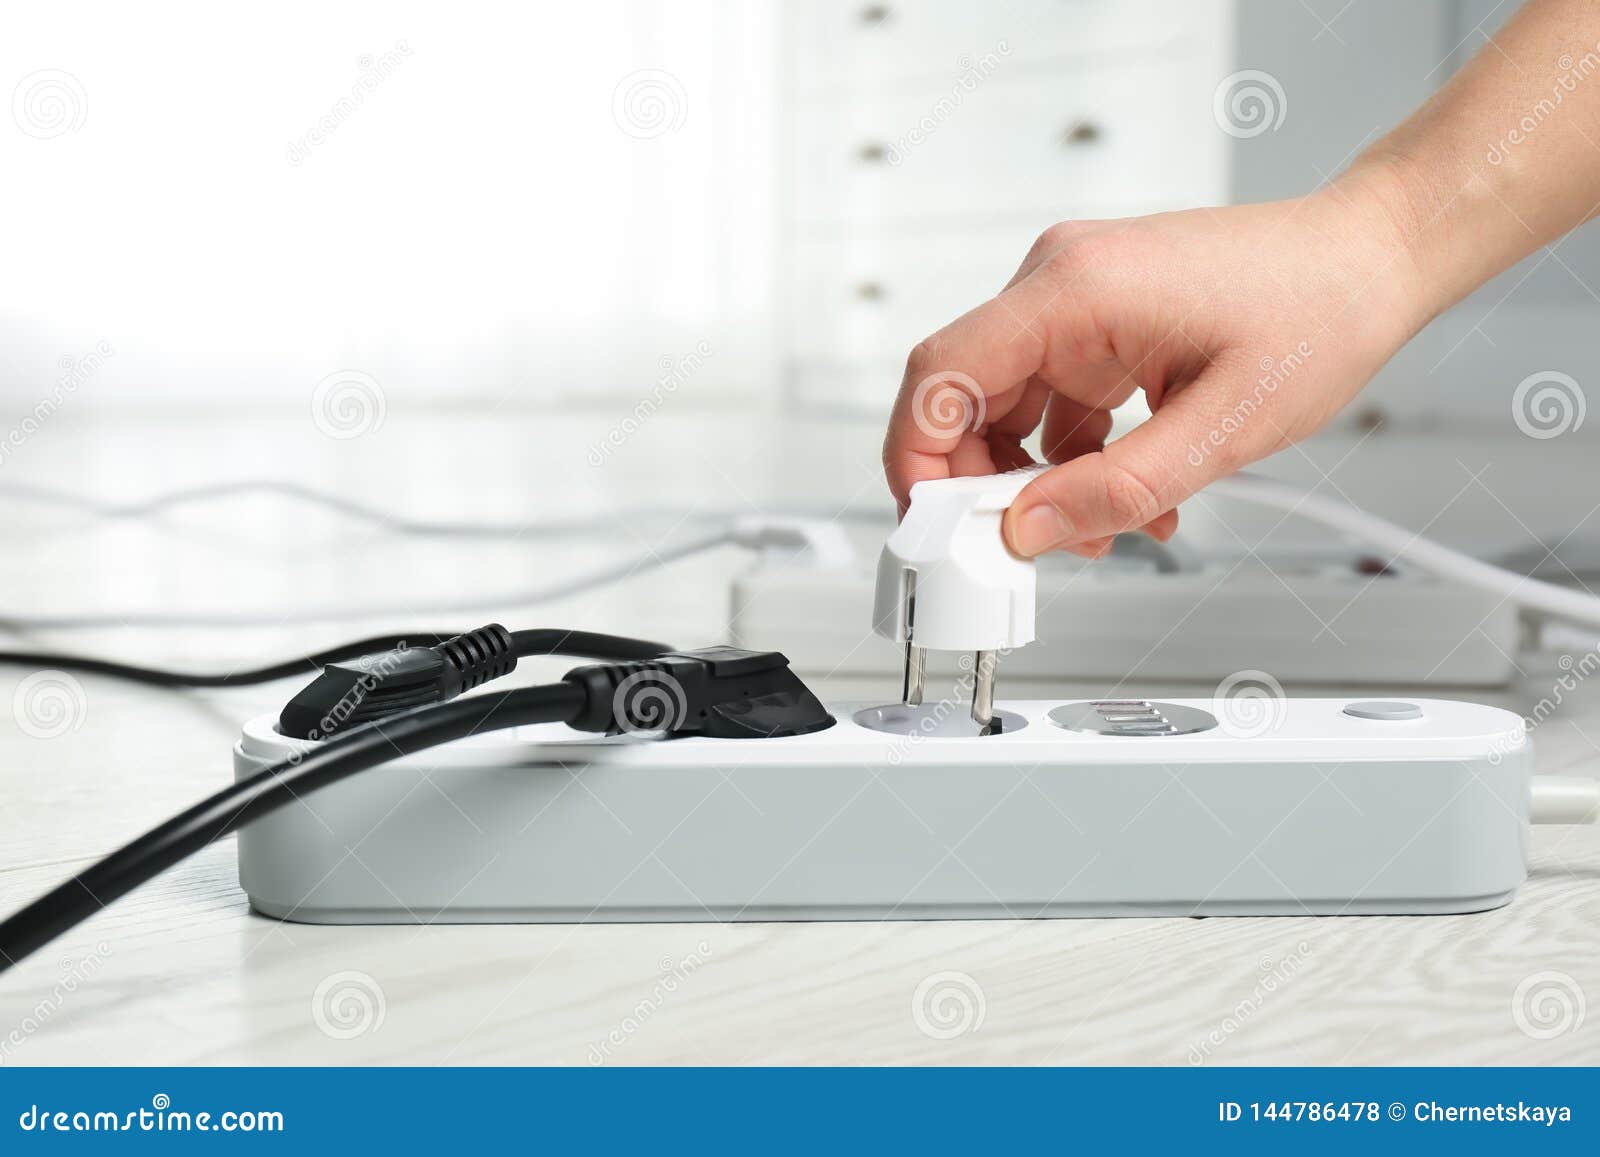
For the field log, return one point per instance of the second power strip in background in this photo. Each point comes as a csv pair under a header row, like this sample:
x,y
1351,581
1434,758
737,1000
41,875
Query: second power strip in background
x,y
1311,620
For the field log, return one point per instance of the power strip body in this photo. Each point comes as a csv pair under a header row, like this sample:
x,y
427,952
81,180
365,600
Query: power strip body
x,y
1321,813
1317,622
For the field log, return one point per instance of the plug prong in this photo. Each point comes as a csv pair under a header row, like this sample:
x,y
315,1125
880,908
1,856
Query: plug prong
x,y
916,674
983,688
916,657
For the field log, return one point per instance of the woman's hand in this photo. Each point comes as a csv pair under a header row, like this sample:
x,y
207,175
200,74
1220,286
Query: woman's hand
x,y
1247,328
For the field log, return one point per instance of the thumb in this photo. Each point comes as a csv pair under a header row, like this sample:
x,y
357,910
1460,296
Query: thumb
x,y
1130,483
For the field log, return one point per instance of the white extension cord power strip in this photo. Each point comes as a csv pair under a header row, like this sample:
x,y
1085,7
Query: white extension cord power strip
x,y
1110,621
1430,615
1437,793
1059,807
1122,808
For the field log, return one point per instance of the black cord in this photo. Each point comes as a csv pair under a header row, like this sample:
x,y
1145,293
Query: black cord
x,y
584,645
351,752
577,644
716,692
305,665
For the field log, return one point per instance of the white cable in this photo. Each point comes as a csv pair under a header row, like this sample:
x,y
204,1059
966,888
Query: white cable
x,y
1567,638
598,523
1564,799
1399,543
297,613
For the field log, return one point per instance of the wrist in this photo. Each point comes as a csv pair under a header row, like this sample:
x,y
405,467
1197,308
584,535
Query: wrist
x,y
1390,206
1367,217
1444,222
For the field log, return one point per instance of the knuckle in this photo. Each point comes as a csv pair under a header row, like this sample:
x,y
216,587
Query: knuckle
x,y
1054,239
1130,500
925,357
1229,455
1087,260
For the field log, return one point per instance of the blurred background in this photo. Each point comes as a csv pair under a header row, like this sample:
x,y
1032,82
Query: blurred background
x,y
514,261
526,206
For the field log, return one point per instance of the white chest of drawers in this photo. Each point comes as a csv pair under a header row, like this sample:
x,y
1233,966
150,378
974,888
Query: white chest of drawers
x,y
928,142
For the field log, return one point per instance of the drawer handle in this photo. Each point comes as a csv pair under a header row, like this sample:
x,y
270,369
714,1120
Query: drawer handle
x,y
870,291
875,14
1080,132
873,153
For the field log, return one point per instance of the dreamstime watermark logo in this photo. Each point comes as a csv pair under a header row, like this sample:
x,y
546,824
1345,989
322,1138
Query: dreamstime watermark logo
x,y
674,372
673,975
1548,1004
1249,704
75,372
49,103
1274,372
649,103
374,70
1573,674
48,704
948,403
973,73
648,701
1573,72
1249,103
1274,975
74,972
348,1004
159,1117
947,1005
374,670
348,404
1548,404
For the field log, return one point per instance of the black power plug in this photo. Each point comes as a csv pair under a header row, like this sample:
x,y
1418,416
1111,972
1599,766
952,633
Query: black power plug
x,y
717,691
385,683
721,692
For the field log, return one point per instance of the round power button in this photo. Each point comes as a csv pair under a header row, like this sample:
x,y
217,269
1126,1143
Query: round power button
x,y
1386,710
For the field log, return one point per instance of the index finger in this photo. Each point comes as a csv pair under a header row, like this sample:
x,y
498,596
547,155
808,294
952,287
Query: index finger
x,y
952,377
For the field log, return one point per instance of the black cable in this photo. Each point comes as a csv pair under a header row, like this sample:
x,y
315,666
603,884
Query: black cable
x,y
159,677
383,684
577,644
718,692
584,645
226,811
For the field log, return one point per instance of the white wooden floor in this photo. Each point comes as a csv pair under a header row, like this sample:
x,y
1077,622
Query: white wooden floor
x,y
181,972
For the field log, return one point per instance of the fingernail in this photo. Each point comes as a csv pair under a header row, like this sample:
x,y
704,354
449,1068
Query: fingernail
x,y
1040,528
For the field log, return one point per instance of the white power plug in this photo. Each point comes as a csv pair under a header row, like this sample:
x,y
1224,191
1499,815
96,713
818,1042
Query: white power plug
x,y
948,582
